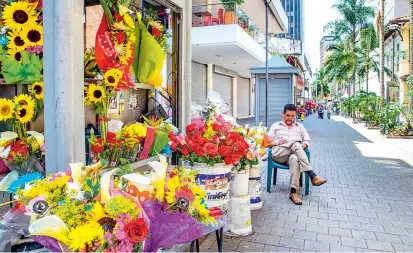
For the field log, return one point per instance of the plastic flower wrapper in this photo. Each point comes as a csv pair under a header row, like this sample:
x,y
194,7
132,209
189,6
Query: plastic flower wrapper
x,y
12,227
181,216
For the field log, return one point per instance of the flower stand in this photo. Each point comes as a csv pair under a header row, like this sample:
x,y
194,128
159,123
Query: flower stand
x,y
254,187
239,210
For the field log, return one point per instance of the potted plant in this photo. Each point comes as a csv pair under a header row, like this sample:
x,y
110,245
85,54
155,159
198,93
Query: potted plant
x,y
229,5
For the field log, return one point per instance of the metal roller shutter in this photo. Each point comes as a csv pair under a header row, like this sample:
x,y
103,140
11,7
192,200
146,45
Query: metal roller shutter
x,y
278,96
243,96
199,83
223,85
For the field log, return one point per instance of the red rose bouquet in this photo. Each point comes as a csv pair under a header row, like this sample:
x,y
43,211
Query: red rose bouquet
x,y
211,143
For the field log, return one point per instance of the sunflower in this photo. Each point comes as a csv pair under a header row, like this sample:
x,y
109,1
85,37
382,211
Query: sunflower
x,y
33,35
24,113
16,54
19,15
24,99
95,93
17,42
38,90
6,109
113,76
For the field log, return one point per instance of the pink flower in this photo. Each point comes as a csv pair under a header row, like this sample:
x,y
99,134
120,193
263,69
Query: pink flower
x,y
124,246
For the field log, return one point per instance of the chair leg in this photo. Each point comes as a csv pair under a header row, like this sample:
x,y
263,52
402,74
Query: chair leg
x,y
307,184
269,176
274,180
301,179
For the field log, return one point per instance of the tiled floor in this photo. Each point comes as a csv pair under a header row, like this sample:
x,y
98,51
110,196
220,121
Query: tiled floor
x,y
367,204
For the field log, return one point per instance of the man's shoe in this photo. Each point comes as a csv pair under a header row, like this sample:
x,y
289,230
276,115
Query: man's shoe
x,y
318,181
295,199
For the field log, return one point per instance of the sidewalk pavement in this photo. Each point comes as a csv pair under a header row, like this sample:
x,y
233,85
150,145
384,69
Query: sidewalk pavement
x,y
396,148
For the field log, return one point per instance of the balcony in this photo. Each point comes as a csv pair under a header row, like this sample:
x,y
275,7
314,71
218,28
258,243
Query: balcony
x,y
223,34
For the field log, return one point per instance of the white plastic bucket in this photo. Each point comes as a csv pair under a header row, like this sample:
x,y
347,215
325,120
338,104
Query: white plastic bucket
x,y
239,217
254,187
239,183
216,183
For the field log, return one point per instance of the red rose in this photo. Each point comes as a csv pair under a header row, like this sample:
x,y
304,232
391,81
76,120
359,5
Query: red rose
x,y
111,138
156,32
210,149
241,145
224,150
215,139
184,150
228,160
203,141
196,138
202,129
190,129
118,17
216,127
235,159
96,148
120,36
136,231
195,148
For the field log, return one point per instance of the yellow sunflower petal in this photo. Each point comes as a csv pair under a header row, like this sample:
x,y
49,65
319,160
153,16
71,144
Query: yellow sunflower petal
x,y
38,90
24,113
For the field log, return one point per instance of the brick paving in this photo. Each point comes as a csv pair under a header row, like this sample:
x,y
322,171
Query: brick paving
x,y
367,204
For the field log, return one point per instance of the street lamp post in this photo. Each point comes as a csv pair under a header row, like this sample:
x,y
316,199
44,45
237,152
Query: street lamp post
x,y
266,61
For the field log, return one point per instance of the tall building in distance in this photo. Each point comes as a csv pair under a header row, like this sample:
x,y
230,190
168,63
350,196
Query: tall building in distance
x,y
325,42
294,10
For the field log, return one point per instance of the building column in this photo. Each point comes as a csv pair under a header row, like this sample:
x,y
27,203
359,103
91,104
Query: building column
x,y
64,81
210,77
185,110
234,97
252,97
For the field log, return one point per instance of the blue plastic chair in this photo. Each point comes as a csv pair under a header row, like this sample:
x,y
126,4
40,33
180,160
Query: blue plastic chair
x,y
272,165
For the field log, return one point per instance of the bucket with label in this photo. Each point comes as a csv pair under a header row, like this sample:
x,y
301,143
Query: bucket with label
x,y
239,217
254,187
215,181
239,183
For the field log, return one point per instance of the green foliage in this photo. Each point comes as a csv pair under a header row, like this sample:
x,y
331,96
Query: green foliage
x,y
229,5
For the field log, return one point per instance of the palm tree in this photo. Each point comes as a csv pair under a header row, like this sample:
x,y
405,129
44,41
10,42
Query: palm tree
x,y
356,16
342,63
411,36
381,29
321,82
368,44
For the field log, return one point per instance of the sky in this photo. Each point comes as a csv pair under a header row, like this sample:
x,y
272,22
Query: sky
x,y
317,13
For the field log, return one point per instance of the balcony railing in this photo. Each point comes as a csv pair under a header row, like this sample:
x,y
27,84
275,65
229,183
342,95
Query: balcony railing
x,y
228,14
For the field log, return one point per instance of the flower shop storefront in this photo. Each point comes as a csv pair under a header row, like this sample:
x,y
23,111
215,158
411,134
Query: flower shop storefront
x,y
85,149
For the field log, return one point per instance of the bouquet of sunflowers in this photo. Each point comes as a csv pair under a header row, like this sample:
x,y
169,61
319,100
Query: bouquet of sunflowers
x,y
22,150
67,212
22,41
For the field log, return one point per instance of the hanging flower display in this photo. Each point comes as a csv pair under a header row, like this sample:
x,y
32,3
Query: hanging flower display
x,y
22,33
114,49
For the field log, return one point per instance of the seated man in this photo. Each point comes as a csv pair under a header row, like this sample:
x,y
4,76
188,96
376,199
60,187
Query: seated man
x,y
290,140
